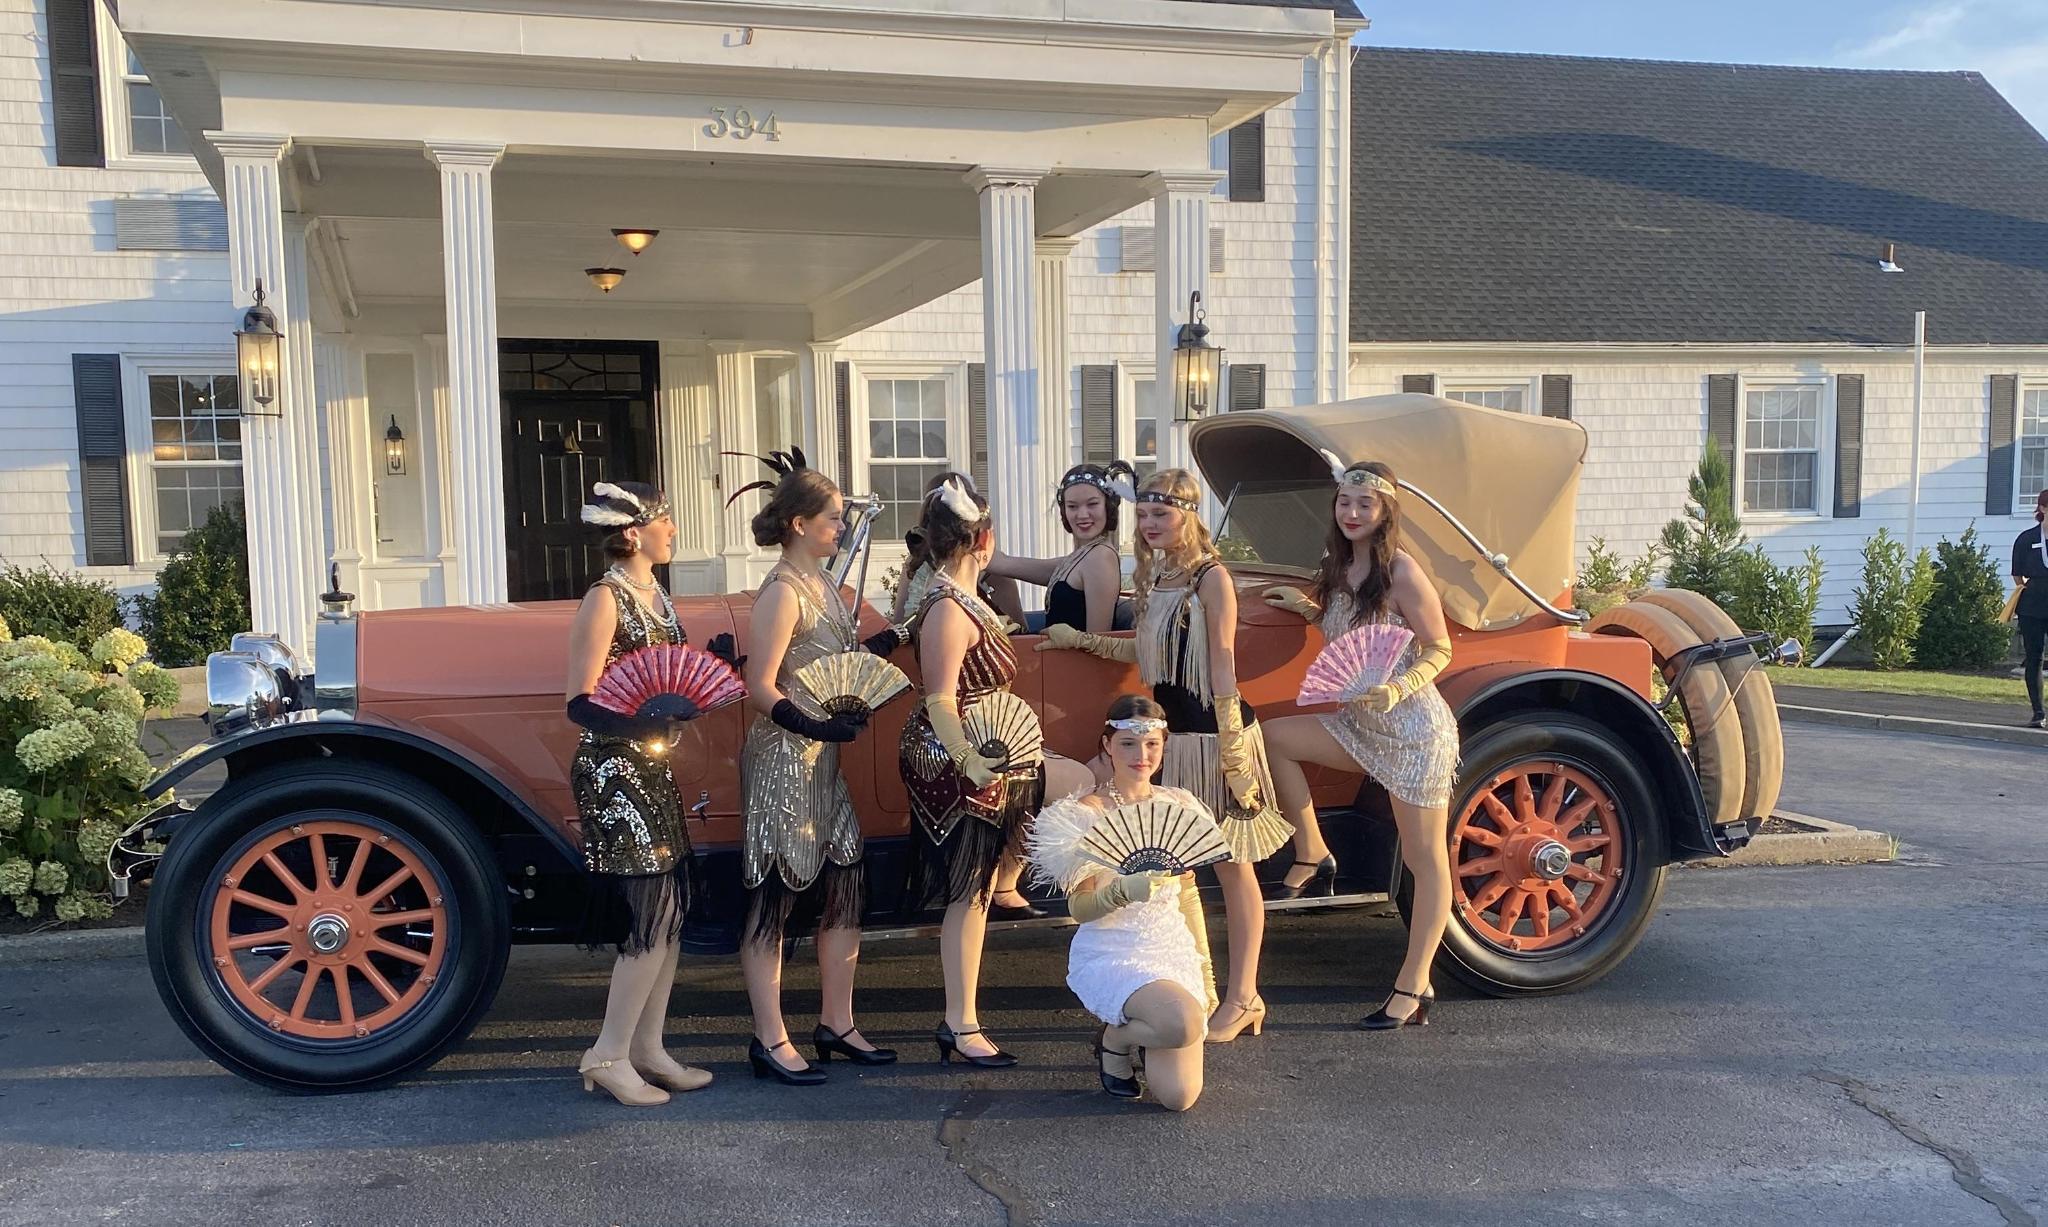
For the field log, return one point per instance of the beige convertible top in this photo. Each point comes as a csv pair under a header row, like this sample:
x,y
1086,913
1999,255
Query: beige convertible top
x,y
1511,478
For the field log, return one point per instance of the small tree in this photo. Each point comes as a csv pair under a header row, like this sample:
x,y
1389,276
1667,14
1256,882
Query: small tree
x,y
1888,605
1961,629
1606,580
202,594
1779,599
59,606
1706,544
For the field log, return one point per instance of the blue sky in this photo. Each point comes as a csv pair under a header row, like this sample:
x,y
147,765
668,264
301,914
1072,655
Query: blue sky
x,y
2006,40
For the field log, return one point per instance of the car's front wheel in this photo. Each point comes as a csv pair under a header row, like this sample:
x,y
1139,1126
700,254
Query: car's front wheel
x,y
327,927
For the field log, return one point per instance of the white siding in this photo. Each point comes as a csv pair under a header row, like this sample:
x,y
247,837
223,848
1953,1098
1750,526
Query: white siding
x,y
1645,420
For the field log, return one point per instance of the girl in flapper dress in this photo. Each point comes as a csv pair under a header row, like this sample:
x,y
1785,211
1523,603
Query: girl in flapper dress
x,y
1185,650
1082,586
1140,960
803,840
1400,733
969,809
634,842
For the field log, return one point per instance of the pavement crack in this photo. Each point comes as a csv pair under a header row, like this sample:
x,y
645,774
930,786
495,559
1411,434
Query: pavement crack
x,y
956,1127
1968,1175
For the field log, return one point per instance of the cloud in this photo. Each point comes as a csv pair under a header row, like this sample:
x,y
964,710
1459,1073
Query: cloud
x,y
1928,26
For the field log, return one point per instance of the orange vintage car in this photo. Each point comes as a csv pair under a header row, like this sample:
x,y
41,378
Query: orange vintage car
x,y
339,913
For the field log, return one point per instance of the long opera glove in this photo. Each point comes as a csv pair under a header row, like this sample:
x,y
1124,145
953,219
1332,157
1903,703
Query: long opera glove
x,y
1060,636
1428,663
1232,750
1294,601
1198,928
1087,905
943,711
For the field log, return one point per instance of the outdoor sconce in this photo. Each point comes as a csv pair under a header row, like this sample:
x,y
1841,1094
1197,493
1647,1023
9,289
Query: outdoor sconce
x,y
606,279
257,344
635,241
394,449
1197,366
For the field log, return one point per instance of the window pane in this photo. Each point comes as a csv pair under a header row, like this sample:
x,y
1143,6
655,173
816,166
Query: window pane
x,y
1779,481
881,439
150,127
2033,473
163,396
908,437
227,396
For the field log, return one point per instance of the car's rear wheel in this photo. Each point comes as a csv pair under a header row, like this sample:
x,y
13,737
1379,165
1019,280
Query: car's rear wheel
x,y
1557,857
327,927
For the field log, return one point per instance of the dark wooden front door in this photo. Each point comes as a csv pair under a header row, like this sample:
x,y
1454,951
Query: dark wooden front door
x,y
576,413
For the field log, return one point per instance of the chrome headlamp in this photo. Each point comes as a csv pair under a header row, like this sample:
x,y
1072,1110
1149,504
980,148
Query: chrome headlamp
x,y
242,691
274,652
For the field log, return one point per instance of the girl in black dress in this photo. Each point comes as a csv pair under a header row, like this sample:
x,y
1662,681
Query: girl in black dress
x,y
1082,587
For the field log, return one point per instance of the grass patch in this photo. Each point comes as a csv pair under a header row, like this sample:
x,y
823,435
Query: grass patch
x,y
1997,687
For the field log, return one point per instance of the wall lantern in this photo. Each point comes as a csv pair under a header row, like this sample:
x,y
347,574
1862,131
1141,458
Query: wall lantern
x,y
635,241
606,279
1197,366
394,449
257,345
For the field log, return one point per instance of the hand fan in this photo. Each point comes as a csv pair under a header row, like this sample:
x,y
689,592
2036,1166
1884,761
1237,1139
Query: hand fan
x,y
1003,727
849,682
1154,835
667,668
1354,663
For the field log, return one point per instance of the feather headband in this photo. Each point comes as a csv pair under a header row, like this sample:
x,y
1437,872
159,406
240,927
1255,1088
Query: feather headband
x,y
1345,475
782,464
957,497
1113,479
617,507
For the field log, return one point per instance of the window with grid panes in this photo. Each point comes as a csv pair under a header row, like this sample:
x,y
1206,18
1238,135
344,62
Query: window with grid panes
x,y
909,443
1781,430
1514,398
2033,448
151,130
1144,434
195,456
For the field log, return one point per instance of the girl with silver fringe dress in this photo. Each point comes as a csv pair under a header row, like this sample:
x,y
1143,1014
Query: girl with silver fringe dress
x,y
803,840
634,842
1185,651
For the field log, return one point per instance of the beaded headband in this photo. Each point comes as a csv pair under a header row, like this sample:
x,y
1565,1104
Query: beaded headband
x,y
617,507
1113,479
1137,724
1171,500
1368,479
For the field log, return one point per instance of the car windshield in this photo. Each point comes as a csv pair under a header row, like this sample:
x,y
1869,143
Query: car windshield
x,y
1277,523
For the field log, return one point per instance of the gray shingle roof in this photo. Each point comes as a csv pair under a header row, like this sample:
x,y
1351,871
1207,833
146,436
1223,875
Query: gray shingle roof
x,y
1545,198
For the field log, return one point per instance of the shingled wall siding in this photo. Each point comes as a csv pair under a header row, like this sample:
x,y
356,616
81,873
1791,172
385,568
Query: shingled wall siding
x,y
1645,420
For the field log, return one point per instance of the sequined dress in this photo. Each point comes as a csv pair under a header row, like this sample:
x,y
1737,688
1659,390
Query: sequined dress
x,y
1412,749
800,822
633,833
1173,659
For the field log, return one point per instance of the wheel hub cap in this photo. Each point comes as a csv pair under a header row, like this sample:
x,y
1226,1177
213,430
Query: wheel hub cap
x,y
327,934
1550,860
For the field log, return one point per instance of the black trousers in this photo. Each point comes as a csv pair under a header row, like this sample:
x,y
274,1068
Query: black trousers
x,y
2033,631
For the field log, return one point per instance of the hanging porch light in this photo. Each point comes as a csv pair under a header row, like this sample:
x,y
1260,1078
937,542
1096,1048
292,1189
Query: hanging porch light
x,y
257,346
394,449
634,240
1197,366
606,279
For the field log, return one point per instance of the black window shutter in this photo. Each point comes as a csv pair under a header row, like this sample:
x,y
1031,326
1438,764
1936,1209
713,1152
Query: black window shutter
x,y
1557,396
1419,383
977,424
2005,405
1247,386
1721,423
1248,160
75,84
102,458
1098,413
842,413
1848,446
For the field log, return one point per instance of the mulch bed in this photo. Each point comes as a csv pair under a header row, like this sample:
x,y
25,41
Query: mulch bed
x,y
127,914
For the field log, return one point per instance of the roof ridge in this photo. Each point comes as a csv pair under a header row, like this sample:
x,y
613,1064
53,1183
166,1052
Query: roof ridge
x,y
1364,48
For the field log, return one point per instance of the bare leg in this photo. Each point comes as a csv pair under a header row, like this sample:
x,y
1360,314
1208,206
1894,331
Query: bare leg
x,y
1166,1022
838,956
1244,913
761,967
1426,852
960,939
1292,742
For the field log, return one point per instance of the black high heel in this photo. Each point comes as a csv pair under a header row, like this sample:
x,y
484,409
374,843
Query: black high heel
x,y
1024,911
949,1047
1319,885
766,1066
833,1043
1380,1020
1122,1088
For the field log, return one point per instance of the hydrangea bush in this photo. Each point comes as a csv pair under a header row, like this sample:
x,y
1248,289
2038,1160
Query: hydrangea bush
x,y
71,771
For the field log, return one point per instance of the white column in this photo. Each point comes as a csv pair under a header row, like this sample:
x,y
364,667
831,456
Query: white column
x,y
351,451
1333,221
732,393
476,454
1018,439
1180,219
818,370
315,535
1055,378
283,575
687,464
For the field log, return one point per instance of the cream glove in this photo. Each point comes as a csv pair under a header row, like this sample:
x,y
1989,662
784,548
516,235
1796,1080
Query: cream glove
x,y
1430,662
944,713
1235,751
1087,905
1294,601
1198,928
1060,636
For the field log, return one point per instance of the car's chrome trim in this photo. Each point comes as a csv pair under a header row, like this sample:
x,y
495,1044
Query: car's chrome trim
x,y
334,674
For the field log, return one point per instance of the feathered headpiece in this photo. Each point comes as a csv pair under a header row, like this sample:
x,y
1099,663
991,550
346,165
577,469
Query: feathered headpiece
x,y
1117,479
957,497
1345,475
613,506
782,464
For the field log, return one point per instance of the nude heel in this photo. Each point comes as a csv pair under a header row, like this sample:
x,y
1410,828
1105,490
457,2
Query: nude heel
x,y
595,1076
1250,1017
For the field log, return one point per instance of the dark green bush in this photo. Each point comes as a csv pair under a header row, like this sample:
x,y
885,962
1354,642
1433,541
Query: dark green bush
x,y
1961,628
1890,602
58,606
202,594
1705,546
1779,599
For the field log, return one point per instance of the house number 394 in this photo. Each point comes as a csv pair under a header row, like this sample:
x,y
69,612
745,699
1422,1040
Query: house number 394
x,y
739,124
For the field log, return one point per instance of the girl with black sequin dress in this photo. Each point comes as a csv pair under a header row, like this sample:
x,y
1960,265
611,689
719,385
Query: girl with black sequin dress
x,y
634,842
1083,586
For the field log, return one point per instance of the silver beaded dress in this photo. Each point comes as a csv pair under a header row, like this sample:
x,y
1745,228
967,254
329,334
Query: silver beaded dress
x,y
1412,750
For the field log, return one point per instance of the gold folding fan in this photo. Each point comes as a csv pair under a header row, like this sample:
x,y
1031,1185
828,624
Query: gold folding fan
x,y
1154,835
849,682
1003,727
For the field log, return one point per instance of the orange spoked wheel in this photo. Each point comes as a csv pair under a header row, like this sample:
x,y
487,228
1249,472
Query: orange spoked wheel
x,y
329,930
1535,858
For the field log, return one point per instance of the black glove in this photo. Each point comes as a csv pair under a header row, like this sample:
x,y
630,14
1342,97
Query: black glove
x,y
840,728
669,707
725,648
607,723
883,641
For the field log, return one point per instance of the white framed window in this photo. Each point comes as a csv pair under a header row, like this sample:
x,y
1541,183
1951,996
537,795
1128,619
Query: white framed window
x,y
2032,445
139,126
1137,429
1782,462
185,431
1511,395
911,426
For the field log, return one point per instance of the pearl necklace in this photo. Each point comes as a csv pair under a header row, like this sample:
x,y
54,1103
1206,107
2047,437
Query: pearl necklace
x,y
1117,796
619,573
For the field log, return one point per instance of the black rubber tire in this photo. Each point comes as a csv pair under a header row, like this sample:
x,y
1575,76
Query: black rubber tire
x,y
1558,736
433,828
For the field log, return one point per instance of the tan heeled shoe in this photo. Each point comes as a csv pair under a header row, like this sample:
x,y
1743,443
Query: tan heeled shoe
x,y
601,1074
679,1078
1240,1016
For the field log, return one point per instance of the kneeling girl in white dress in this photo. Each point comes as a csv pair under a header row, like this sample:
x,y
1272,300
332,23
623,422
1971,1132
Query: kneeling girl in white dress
x,y
1140,959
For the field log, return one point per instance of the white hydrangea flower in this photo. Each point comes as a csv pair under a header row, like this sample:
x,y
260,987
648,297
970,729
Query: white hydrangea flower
x,y
112,732
134,767
117,649
96,838
116,695
74,681
10,810
28,905
6,631
45,749
70,909
15,876
159,690
52,878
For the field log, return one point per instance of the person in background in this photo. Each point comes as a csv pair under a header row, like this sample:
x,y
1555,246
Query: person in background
x,y
2030,570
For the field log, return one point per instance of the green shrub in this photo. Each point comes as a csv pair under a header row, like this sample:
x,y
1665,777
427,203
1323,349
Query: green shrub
x,y
202,594
1605,581
67,608
1705,546
1888,605
1961,628
1781,600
